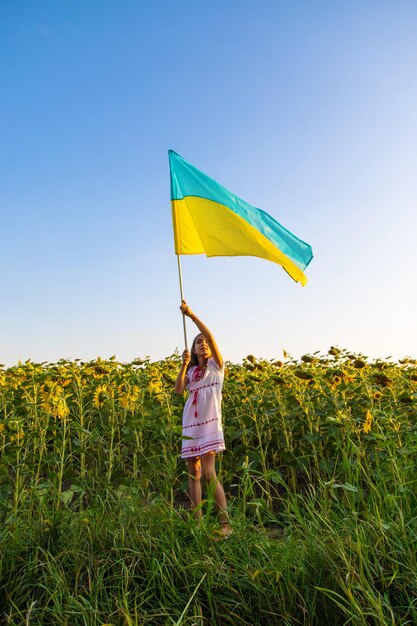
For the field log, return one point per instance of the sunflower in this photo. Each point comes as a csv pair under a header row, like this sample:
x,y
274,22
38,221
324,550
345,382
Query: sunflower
x,y
155,386
334,351
359,364
128,396
17,437
101,394
61,408
303,375
54,400
368,422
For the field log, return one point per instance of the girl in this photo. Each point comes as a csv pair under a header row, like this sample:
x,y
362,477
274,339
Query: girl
x,y
202,374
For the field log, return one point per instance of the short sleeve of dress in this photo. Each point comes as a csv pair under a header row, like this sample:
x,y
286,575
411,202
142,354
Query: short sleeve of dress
x,y
212,363
189,375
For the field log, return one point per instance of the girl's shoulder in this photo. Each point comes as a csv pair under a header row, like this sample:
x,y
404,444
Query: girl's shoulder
x,y
190,371
212,364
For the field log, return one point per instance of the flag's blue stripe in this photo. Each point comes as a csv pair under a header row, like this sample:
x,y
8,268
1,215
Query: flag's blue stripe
x,y
187,180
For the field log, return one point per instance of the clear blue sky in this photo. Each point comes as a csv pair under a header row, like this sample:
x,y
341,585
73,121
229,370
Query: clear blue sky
x,y
307,110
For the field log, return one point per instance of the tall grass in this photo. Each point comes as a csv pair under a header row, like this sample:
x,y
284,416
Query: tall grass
x,y
319,471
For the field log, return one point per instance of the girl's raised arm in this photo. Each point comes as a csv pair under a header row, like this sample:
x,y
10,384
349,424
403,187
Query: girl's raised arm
x,y
205,331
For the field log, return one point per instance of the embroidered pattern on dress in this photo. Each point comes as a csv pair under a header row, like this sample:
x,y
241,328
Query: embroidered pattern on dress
x,y
209,444
215,419
198,375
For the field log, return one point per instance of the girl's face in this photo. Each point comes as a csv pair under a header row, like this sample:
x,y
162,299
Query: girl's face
x,y
201,347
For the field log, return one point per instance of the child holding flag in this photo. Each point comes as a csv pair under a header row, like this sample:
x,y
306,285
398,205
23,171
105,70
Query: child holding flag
x,y
202,374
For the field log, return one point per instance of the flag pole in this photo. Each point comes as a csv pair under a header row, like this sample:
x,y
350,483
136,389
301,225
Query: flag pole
x,y
182,298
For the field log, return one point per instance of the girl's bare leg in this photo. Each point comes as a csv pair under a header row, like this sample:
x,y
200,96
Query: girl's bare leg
x,y
210,476
194,483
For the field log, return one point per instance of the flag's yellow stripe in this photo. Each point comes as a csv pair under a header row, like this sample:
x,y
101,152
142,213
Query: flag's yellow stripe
x,y
186,239
203,226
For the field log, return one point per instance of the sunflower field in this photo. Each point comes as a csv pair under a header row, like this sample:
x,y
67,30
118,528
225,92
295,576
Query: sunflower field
x,y
319,472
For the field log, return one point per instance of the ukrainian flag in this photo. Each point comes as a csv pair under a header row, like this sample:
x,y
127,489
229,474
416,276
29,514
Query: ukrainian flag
x,y
210,220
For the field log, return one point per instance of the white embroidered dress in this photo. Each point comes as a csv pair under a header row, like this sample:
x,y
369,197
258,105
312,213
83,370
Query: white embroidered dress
x,y
202,417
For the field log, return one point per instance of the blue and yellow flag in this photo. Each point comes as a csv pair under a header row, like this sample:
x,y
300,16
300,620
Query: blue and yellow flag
x,y
210,220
